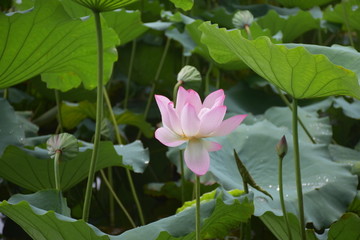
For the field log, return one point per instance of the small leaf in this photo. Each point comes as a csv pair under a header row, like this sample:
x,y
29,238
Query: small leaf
x,y
183,4
189,74
295,71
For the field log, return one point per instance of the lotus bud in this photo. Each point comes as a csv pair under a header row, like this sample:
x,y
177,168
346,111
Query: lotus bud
x,y
282,147
64,143
242,19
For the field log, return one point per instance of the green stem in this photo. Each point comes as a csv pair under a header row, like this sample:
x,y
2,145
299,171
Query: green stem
x,y
297,168
282,202
56,169
128,173
157,75
99,113
182,176
177,85
136,199
207,79
288,104
58,106
6,93
111,199
347,24
197,218
127,89
106,181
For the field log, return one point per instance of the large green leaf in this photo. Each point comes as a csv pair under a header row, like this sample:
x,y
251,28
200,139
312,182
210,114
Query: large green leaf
x,y
219,213
345,11
296,71
277,226
127,24
328,187
11,130
45,40
346,57
303,3
104,5
74,113
346,155
37,171
289,25
319,128
46,199
44,225
346,228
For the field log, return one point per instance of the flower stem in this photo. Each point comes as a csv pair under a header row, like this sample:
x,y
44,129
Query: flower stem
x,y
345,15
58,106
107,183
177,85
157,75
56,170
111,199
99,113
197,218
297,167
127,89
128,173
282,202
182,176
207,79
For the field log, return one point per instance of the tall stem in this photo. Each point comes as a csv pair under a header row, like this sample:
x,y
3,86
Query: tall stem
x,y
207,79
99,113
128,173
127,89
347,24
297,168
111,198
181,153
282,202
58,106
157,75
107,183
197,218
56,170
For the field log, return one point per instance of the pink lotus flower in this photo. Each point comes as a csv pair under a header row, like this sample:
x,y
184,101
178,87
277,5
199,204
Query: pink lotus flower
x,y
191,121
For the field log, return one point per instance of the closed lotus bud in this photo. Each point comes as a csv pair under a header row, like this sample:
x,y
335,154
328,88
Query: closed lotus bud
x,y
104,5
64,143
282,147
242,19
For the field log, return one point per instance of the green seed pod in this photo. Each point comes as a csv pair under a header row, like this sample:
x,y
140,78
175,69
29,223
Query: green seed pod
x,y
64,143
282,147
104,5
242,18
